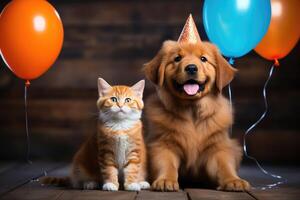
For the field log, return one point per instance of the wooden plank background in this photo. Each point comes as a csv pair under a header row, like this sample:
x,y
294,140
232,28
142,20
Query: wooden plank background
x,y
113,39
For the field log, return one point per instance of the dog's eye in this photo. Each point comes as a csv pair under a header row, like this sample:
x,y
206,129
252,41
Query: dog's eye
x,y
178,58
203,59
114,99
127,100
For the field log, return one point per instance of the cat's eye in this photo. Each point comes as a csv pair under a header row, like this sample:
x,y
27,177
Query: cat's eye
x,y
114,99
178,58
203,59
127,100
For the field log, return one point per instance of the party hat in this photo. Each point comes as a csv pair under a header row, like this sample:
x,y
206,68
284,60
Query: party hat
x,y
189,32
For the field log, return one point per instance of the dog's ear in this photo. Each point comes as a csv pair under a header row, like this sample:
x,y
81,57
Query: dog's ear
x,y
155,69
224,72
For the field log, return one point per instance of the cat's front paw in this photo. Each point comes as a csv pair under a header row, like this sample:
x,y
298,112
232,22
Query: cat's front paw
x,y
132,187
144,185
237,185
110,187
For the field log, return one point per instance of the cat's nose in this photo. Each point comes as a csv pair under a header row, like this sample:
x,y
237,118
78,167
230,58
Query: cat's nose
x,y
120,104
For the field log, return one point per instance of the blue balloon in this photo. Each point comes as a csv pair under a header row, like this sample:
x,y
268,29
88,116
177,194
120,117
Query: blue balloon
x,y
236,26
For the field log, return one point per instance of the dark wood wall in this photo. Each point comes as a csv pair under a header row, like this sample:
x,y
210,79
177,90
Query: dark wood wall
x,y
113,39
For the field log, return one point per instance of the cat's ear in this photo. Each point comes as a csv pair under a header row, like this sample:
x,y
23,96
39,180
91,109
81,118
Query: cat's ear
x,y
138,88
103,87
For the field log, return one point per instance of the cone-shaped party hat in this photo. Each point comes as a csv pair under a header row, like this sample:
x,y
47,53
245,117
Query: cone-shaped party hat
x,y
189,32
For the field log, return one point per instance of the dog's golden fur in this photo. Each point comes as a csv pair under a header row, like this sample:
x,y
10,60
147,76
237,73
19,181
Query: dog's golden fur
x,y
188,134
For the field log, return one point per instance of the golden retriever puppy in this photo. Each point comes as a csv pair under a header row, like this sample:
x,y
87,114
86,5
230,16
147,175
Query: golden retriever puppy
x,y
188,118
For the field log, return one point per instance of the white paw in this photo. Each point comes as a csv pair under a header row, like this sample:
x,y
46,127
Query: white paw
x,y
110,187
144,185
90,185
133,187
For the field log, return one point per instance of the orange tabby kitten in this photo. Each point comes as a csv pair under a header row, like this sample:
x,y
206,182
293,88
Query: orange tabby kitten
x,y
118,149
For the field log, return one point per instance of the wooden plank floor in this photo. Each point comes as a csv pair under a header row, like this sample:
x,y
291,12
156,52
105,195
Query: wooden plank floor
x,y
14,175
20,181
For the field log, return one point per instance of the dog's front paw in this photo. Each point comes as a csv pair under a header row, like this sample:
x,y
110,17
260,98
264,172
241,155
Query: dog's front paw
x,y
165,185
110,187
235,185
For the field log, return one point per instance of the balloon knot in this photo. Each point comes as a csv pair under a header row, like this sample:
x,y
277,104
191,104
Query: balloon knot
x,y
27,83
276,63
231,61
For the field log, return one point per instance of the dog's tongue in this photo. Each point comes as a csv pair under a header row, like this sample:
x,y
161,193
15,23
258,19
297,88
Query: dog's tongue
x,y
191,89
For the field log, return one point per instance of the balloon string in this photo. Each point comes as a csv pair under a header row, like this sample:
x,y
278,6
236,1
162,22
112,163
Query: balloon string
x,y
231,61
26,124
252,127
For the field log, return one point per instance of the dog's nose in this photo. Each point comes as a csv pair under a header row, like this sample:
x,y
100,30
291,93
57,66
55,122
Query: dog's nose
x,y
191,69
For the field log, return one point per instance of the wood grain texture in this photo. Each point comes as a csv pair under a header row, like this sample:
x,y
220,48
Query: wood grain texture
x,y
21,173
34,190
96,195
277,194
150,195
290,176
118,13
6,166
202,194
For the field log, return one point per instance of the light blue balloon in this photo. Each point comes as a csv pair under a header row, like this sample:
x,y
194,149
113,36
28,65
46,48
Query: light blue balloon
x,y
236,26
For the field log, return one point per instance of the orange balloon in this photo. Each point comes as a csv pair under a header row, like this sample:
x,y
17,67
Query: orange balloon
x,y
284,30
31,37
